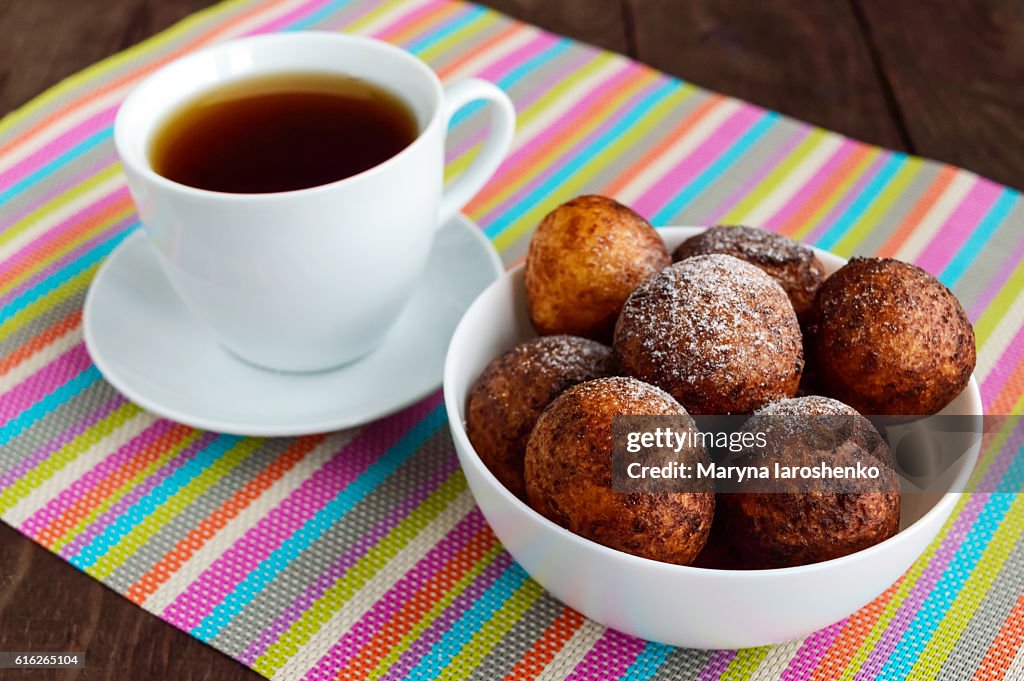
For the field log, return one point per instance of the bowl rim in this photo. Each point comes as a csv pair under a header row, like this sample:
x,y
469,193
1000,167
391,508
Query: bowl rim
x,y
455,411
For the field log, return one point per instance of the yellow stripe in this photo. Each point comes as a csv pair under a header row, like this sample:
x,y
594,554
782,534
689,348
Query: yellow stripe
x,y
47,468
879,207
956,619
357,576
738,213
652,117
174,506
110,500
838,192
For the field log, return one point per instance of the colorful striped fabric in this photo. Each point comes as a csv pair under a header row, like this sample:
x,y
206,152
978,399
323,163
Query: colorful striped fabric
x,y
360,554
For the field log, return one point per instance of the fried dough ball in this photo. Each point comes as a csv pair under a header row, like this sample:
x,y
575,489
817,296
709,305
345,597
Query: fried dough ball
x,y
569,475
716,332
891,339
514,389
785,529
584,260
788,262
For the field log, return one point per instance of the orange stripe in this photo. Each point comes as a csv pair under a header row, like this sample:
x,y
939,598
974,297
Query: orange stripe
x,y
40,341
92,497
213,523
1011,391
489,44
649,157
64,242
546,154
547,646
202,39
405,33
1005,646
416,606
918,212
852,637
812,204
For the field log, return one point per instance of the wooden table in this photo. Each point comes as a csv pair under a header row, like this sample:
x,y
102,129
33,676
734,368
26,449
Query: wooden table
x,y
943,80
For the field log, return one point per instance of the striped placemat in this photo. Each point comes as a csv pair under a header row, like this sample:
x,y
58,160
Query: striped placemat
x,y
360,554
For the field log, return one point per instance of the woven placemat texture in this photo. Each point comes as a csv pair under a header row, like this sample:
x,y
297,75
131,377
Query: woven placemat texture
x,y
360,554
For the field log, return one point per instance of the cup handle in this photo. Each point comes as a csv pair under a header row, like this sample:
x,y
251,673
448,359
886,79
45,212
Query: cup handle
x,y
503,126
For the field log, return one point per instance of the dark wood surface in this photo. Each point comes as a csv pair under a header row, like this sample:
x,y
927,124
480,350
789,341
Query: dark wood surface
x,y
939,79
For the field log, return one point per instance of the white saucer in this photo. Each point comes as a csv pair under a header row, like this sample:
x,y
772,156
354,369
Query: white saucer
x,y
148,345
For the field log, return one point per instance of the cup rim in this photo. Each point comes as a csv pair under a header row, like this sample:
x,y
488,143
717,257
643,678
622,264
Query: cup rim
x,y
140,163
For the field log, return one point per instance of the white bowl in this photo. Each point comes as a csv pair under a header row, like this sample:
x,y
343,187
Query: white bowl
x,y
682,606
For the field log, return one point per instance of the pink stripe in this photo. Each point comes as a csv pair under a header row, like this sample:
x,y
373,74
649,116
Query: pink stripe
x,y
848,197
996,283
43,382
944,245
106,116
151,482
559,129
823,176
55,268
925,584
586,109
497,70
59,232
1003,368
757,176
68,177
61,144
609,658
811,652
717,665
406,20
426,642
697,160
384,610
44,452
221,578
341,565
97,477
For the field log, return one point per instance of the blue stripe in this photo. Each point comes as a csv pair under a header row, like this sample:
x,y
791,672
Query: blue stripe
x,y
670,211
463,630
55,399
438,34
324,519
1012,481
862,201
42,172
646,664
587,150
940,600
514,76
157,497
352,9
981,234
61,276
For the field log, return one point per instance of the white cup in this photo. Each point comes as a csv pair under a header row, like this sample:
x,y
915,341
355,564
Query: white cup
x,y
310,279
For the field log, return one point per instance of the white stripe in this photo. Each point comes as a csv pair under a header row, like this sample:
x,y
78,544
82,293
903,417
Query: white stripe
x,y
77,467
561,106
679,149
388,17
39,227
246,519
936,216
1000,338
374,589
1015,672
493,53
573,652
41,358
794,181
113,97
776,661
